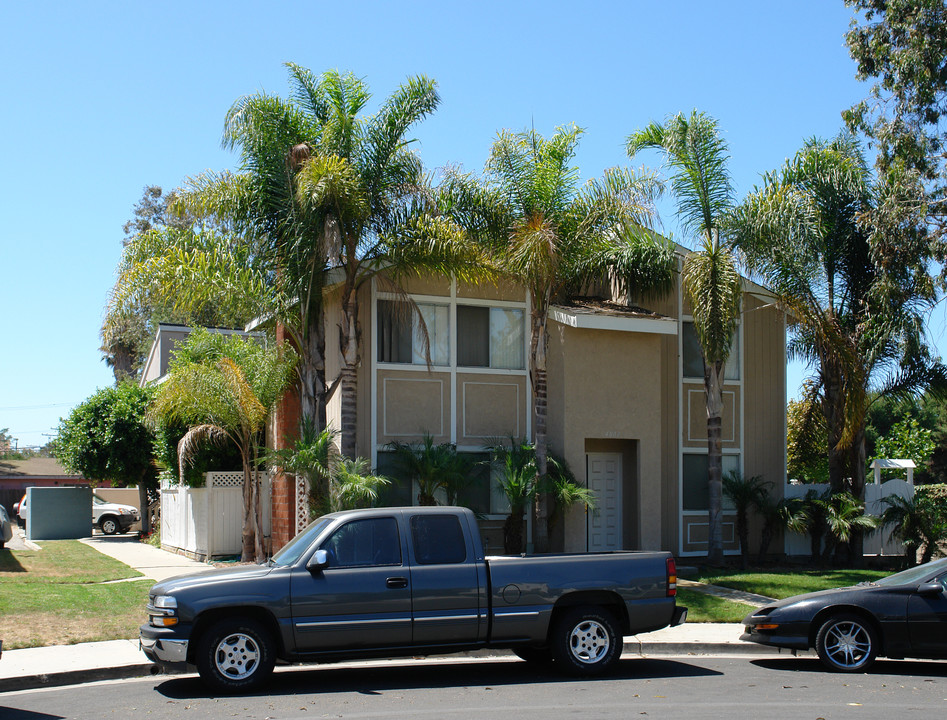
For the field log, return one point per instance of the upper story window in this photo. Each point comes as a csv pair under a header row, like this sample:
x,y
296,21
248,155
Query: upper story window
x,y
401,335
694,361
490,337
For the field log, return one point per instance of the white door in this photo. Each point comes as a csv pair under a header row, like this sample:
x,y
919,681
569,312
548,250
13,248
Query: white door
x,y
605,520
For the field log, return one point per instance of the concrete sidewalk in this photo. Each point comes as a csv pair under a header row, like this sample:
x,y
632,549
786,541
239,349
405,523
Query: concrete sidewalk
x,y
71,664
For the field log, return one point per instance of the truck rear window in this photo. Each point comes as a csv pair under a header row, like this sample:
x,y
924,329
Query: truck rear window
x,y
438,539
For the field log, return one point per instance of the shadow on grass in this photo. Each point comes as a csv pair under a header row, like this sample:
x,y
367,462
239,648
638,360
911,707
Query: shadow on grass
x,y
374,679
9,563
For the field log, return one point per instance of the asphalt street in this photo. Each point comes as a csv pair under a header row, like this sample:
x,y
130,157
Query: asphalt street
x,y
667,687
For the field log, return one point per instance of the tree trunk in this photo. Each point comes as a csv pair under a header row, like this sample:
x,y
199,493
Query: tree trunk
x,y
857,488
714,396
513,531
312,374
348,377
249,518
538,344
144,504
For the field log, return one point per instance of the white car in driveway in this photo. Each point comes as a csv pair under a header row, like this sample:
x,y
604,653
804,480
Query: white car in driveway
x,y
111,517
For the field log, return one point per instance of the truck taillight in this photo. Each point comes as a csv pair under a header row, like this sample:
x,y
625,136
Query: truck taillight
x,y
672,577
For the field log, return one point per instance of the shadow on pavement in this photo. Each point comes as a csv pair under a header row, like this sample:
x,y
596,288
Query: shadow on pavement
x,y
881,667
370,679
8,713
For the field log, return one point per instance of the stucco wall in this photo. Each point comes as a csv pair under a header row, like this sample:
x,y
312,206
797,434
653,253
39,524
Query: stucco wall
x,y
606,389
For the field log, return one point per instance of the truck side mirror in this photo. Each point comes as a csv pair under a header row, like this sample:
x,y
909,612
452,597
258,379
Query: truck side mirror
x,y
318,562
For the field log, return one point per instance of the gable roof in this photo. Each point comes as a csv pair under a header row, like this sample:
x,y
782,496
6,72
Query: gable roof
x,y
35,467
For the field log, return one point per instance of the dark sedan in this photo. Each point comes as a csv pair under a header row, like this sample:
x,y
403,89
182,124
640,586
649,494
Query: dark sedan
x,y
902,615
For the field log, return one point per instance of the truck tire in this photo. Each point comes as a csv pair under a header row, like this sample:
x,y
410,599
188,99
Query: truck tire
x,y
109,525
235,655
586,641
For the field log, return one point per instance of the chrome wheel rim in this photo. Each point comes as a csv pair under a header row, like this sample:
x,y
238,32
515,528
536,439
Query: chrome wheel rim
x,y
109,527
589,642
237,656
847,644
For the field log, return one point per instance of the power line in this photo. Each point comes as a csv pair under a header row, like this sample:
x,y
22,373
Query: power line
x,y
37,407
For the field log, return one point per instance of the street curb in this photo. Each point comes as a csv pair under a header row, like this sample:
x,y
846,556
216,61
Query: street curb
x,y
74,677
122,672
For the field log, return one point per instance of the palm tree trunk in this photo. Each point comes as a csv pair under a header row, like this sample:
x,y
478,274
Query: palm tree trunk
x,y
714,396
248,536
312,374
538,344
348,377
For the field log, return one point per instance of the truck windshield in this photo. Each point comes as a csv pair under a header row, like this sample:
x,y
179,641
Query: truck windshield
x,y
299,544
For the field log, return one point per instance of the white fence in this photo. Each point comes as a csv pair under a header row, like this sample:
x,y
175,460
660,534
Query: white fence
x,y
207,522
878,542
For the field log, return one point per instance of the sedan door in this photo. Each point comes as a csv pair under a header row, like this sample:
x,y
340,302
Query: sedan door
x,y
362,599
927,620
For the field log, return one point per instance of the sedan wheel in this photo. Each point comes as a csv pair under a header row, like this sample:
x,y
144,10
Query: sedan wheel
x,y
847,643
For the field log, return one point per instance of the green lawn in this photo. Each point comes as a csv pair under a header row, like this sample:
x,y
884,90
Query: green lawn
x,y
784,583
61,594
702,608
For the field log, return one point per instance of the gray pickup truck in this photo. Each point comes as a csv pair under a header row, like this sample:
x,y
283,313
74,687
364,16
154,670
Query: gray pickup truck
x,y
405,581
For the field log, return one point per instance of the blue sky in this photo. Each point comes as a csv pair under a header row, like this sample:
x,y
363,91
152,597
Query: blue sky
x,y
101,99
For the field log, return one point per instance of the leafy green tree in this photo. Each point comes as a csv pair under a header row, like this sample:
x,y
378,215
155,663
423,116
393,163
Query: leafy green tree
x,y
806,438
907,440
901,45
223,387
697,156
541,229
106,437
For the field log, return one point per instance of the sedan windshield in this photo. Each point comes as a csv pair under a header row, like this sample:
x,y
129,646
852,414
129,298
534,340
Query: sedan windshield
x,y
299,544
914,574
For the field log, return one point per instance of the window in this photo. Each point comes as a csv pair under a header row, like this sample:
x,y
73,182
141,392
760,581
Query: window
x,y
401,337
438,539
490,337
361,543
693,360
694,491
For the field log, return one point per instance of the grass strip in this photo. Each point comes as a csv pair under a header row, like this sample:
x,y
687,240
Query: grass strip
x,y
61,561
786,583
703,608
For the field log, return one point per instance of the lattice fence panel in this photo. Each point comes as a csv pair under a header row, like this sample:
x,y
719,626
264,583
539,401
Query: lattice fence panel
x,y
302,503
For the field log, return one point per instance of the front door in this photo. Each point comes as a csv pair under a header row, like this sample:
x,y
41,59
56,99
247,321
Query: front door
x,y
604,524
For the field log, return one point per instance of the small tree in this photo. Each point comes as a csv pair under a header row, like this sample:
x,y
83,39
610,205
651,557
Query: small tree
x,y
744,493
785,513
106,438
917,523
224,386
433,467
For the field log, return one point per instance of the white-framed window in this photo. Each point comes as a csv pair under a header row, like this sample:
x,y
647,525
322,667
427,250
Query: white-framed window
x,y
694,491
401,334
693,360
490,337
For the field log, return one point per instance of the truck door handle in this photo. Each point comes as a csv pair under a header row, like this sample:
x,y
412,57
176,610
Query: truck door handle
x,y
397,582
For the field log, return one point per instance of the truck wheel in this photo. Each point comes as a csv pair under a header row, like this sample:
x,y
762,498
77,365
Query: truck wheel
x,y
586,641
846,643
109,525
235,655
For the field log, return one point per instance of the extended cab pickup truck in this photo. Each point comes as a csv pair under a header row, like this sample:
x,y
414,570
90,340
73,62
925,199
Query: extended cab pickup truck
x,y
405,581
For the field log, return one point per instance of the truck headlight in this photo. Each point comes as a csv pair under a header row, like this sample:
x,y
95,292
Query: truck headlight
x,y
164,609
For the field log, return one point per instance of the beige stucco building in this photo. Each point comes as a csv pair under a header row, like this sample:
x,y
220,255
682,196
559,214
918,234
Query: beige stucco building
x,y
625,400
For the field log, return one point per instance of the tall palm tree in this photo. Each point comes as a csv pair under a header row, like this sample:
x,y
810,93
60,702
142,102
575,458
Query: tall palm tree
x,y
855,282
360,182
697,157
223,387
543,230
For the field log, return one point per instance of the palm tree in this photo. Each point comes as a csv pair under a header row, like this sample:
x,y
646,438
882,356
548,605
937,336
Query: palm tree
x,y
543,230
223,387
516,474
916,523
855,283
433,468
697,156
745,493
362,184
785,513
845,515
